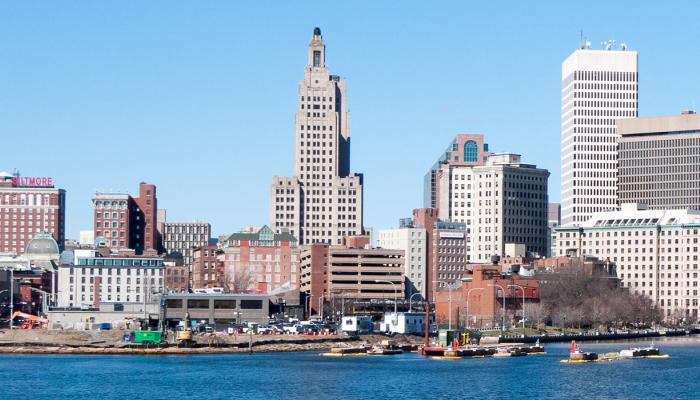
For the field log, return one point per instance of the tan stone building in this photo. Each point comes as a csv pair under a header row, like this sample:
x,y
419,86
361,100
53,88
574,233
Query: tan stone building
x,y
322,202
655,251
329,272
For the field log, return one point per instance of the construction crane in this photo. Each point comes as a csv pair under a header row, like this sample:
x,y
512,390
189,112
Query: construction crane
x,y
31,321
184,333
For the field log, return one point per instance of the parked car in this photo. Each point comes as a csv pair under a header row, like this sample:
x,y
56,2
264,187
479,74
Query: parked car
x,y
292,328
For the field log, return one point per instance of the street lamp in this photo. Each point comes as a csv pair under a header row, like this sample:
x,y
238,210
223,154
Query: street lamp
x,y
410,301
43,299
396,315
449,299
320,306
468,293
523,290
503,315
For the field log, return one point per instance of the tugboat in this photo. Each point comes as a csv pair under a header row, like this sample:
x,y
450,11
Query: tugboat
x,y
578,356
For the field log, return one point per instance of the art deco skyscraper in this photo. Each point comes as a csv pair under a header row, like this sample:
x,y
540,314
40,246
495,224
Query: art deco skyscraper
x,y
598,87
323,202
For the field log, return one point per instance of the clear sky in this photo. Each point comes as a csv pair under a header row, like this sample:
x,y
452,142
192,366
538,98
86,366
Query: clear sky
x,y
199,97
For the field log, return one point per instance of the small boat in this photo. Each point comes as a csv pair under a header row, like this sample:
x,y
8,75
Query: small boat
x,y
387,347
642,352
578,356
509,352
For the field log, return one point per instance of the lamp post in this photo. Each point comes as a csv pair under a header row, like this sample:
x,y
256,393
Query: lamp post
x,y
320,306
449,300
468,293
503,313
522,289
43,299
396,315
410,302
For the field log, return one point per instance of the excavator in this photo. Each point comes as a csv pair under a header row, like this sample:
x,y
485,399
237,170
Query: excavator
x,y
31,321
183,336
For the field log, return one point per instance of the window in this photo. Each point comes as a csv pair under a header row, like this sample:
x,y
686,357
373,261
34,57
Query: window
x,y
470,151
173,303
197,303
317,58
251,304
224,304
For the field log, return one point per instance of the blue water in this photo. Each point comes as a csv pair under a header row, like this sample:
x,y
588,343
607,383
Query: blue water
x,y
310,376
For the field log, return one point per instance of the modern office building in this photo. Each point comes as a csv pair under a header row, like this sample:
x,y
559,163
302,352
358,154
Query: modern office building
x,y
412,240
338,272
466,149
659,161
501,201
126,222
184,237
322,202
655,251
28,206
599,87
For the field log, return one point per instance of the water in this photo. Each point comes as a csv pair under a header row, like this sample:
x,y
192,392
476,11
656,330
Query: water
x,y
310,376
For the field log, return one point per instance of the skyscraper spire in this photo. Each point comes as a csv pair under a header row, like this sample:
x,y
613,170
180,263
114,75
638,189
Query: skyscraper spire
x,y
317,50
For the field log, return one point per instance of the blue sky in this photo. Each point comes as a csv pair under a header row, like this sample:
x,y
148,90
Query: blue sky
x,y
199,98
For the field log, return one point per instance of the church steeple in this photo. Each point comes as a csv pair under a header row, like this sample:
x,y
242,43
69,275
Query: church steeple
x,y
317,50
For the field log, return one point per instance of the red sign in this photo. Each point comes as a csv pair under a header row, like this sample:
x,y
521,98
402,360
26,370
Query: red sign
x,y
30,181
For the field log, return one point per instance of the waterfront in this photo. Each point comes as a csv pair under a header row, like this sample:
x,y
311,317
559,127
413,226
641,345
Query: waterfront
x,y
309,376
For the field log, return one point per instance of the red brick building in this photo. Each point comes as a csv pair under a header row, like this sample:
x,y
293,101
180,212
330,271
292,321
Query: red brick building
x,y
123,221
260,260
486,290
29,205
207,270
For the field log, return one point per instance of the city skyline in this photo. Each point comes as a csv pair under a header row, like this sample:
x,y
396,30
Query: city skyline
x,y
125,91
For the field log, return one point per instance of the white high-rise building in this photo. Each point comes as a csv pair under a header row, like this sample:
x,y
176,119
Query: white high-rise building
x,y
322,203
412,240
598,87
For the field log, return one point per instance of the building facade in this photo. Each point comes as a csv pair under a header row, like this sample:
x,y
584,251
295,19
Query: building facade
x,y
553,221
207,270
655,252
184,237
466,149
29,205
659,161
125,222
599,87
322,202
501,201
480,302
352,274
92,279
262,261
412,241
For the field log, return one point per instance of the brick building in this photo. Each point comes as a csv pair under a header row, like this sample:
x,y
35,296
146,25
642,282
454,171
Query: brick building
x,y
125,222
207,270
486,291
29,205
260,260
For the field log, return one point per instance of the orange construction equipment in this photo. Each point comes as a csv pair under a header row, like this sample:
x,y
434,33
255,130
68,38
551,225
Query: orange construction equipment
x,y
31,321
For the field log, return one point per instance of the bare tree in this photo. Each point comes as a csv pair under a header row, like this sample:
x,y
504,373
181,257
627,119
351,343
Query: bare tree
x,y
237,280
